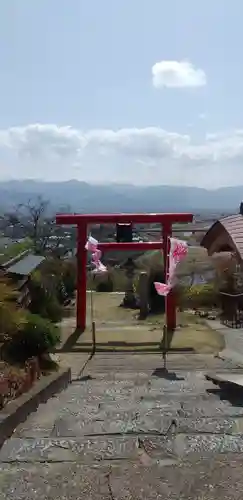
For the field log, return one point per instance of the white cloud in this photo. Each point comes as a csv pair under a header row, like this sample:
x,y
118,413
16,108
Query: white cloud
x,y
141,156
177,74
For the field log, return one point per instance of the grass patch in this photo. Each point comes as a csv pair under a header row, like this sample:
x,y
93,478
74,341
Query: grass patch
x,y
200,338
115,324
13,250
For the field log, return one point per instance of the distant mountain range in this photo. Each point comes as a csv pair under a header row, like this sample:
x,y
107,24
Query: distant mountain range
x,y
83,197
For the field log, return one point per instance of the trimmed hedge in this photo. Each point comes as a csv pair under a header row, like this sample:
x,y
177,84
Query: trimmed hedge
x,y
197,296
36,337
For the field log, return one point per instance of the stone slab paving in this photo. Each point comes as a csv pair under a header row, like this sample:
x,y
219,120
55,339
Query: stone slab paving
x,y
129,430
74,360
233,341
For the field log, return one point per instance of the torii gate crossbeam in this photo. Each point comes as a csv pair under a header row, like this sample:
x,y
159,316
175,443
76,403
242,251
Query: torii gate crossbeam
x,y
83,220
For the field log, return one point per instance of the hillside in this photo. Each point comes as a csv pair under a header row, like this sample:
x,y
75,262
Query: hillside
x,y
83,197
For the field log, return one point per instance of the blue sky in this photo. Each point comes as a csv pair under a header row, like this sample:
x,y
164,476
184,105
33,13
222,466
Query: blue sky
x,y
122,91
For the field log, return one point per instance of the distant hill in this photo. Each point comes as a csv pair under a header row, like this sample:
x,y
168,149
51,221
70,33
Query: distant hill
x,y
83,197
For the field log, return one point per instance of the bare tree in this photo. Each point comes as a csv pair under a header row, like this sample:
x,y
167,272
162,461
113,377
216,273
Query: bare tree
x,y
41,227
36,212
50,236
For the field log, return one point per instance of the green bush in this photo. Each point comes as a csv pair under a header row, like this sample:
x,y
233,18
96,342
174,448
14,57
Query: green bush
x,y
43,302
105,286
113,281
52,310
156,301
119,279
58,276
69,279
11,317
36,337
197,296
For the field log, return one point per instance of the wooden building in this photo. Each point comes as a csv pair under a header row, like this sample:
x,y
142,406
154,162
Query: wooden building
x,y
19,270
225,235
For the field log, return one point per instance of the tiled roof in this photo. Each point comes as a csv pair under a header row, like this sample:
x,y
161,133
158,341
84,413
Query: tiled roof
x,y
234,227
27,265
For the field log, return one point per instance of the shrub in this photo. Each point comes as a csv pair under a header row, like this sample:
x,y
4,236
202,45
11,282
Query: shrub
x,y
197,296
156,302
10,317
113,281
119,279
11,320
35,338
37,294
69,279
56,273
53,310
105,286
43,302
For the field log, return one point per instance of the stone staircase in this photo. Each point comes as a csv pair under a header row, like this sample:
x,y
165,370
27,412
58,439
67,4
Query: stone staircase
x,y
129,430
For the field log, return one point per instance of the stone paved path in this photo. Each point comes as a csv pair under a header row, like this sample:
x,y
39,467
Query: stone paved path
x,y
129,431
233,341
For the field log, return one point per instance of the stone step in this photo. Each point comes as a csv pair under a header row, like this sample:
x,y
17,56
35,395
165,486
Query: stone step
x,y
149,362
199,478
69,416
234,379
127,430
91,449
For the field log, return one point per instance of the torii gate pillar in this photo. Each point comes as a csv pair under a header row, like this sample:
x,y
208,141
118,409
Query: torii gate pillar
x,y
82,221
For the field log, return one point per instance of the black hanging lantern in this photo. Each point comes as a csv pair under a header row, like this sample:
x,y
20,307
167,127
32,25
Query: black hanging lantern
x,y
124,233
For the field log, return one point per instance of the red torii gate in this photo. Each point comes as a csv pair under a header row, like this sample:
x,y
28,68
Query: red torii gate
x,y
83,220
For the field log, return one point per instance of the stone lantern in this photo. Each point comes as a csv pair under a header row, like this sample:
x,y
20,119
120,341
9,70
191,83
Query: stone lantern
x,y
130,300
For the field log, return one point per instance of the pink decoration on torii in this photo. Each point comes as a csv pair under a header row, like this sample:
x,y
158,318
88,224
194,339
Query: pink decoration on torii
x,y
92,246
178,251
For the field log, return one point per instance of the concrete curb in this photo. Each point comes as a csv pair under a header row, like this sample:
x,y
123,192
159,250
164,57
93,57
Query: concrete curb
x,y
228,354
17,411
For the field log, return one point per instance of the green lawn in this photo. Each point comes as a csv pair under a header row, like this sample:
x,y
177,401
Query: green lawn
x,y
13,250
119,325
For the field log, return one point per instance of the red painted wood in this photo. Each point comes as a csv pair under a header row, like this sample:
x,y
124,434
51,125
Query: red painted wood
x,y
171,218
131,246
81,277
